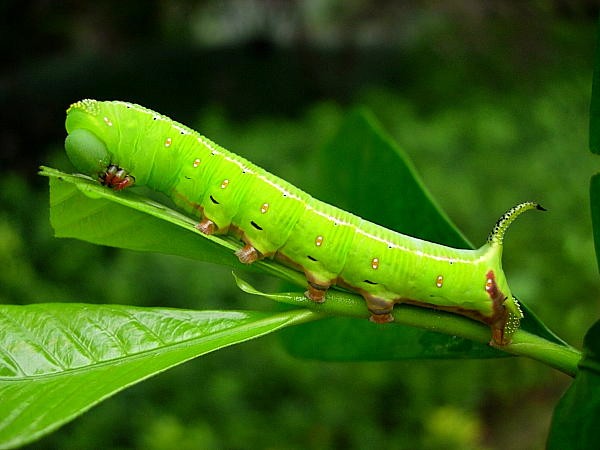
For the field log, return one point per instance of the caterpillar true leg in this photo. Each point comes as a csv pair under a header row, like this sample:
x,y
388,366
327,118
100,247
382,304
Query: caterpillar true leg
x,y
116,178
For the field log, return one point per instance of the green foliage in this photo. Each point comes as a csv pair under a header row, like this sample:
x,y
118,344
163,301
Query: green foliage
x,y
481,141
577,416
59,360
131,226
70,219
152,340
595,210
595,104
84,196
390,192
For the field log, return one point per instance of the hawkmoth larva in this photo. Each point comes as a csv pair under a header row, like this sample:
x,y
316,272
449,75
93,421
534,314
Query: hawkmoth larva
x,y
122,143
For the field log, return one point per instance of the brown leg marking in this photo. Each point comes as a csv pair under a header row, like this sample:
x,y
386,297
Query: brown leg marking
x,y
316,292
247,254
380,309
206,226
498,336
381,318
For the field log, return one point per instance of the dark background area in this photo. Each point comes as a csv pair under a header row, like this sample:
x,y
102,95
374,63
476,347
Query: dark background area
x,y
489,99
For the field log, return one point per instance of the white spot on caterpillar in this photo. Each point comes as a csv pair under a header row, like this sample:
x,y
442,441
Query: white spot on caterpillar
x,y
224,184
319,241
375,263
264,208
489,284
168,142
107,121
196,162
439,281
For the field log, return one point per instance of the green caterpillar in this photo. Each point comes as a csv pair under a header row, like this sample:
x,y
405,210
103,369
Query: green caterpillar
x,y
123,143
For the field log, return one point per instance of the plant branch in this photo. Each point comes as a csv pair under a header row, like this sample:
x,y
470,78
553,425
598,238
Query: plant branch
x,y
559,356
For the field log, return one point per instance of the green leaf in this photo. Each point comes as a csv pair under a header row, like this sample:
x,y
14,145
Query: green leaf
x,y
59,360
350,339
81,208
577,417
595,148
364,171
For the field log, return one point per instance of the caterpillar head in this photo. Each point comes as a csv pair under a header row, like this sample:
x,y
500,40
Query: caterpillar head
x,y
86,144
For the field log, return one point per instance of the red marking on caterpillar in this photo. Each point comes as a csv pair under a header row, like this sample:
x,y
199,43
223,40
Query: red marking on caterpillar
x,y
491,287
500,315
116,178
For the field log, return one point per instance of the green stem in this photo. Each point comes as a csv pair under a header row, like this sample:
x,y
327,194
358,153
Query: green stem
x,y
558,356
561,357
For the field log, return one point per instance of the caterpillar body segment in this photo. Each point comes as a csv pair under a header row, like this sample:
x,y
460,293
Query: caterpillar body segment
x,y
122,143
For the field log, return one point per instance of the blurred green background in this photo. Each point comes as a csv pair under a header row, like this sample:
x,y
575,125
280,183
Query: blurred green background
x,y
489,99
